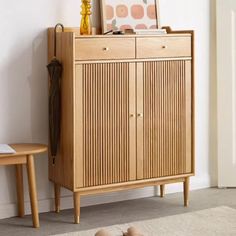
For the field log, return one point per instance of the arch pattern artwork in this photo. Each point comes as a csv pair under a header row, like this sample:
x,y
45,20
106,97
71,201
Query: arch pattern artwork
x,y
132,14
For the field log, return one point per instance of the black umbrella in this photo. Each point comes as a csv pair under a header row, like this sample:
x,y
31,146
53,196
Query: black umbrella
x,y
55,74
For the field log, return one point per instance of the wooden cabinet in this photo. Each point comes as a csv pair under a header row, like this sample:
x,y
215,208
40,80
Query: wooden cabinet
x,y
127,113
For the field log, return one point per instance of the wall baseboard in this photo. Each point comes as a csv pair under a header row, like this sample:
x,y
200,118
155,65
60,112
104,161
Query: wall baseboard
x,y
47,205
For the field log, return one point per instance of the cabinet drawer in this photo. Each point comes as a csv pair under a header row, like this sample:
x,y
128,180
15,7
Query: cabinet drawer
x,y
163,47
104,49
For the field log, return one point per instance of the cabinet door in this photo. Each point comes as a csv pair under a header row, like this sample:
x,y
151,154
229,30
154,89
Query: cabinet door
x,y
164,108
105,138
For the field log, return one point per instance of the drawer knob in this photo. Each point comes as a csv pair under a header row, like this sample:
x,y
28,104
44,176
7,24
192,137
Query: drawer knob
x,y
164,46
140,115
131,115
105,49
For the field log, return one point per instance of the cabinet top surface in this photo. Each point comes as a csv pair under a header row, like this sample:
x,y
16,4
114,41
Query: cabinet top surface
x,y
76,32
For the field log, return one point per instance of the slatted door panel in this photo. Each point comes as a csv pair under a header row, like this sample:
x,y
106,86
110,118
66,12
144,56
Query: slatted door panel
x,y
164,118
106,97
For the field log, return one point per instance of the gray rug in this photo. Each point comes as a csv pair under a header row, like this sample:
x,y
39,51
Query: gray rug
x,y
220,221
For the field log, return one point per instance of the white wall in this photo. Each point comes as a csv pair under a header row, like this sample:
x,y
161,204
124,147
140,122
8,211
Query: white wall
x,y
23,87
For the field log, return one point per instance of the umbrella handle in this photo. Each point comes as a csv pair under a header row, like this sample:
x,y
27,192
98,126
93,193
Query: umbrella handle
x,y
55,37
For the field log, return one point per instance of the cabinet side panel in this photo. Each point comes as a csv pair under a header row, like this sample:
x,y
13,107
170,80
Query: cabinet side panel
x,y
62,172
79,126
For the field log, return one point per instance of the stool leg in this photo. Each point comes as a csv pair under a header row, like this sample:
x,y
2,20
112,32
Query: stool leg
x,y
57,192
77,207
20,190
32,190
162,190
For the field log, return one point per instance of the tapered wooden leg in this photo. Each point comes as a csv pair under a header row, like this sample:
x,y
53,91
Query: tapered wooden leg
x,y
20,190
162,190
32,190
77,207
186,191
57,191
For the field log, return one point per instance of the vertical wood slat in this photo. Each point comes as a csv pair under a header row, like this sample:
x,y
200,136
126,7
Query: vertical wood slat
x,y
166,123
108,151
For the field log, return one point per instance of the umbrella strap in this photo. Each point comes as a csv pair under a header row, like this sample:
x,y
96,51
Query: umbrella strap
x,y
55,36
53,160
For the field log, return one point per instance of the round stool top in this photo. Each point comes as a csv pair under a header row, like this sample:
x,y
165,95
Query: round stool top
x,y
26,149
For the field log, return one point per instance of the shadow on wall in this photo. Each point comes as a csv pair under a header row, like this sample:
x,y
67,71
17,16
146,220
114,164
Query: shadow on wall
x,y
213,170
38,87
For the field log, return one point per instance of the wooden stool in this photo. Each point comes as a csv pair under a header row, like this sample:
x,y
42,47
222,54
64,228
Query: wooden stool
x,y
24,155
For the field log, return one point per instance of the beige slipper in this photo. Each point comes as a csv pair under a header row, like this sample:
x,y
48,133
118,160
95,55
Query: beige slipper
x,y
132,231
102,232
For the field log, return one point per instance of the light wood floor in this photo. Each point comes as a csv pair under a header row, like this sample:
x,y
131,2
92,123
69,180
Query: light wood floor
x,y
118,213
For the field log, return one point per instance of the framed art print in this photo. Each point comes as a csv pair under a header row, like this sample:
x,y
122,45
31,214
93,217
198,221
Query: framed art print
x,y
129,14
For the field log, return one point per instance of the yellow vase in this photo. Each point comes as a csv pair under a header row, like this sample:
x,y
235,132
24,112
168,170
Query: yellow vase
x,y
85,24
